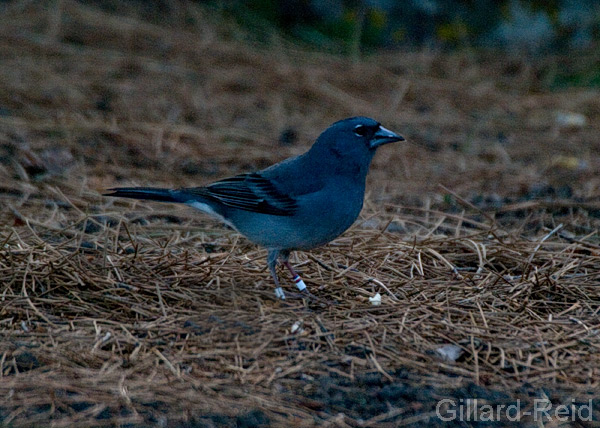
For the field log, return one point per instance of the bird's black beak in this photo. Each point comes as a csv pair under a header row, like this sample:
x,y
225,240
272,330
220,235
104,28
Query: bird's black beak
x,y
384,136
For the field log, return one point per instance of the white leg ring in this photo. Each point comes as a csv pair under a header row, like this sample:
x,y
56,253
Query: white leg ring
x,y
299,283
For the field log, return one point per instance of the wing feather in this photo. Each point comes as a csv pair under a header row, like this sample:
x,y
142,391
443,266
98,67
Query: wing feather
x,y
250,192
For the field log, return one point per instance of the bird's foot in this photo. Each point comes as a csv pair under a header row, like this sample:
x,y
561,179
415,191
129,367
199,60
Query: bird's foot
x,y
279,293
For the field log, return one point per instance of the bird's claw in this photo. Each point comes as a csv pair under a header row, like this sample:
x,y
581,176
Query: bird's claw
x,y
279,293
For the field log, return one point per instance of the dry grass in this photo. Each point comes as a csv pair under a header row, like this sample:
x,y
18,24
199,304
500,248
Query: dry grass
x,y
135,313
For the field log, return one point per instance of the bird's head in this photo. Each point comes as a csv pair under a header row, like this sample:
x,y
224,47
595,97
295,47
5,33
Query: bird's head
x,y
352,142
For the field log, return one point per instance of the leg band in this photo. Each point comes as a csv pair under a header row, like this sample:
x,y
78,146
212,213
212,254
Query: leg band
x,y
299,283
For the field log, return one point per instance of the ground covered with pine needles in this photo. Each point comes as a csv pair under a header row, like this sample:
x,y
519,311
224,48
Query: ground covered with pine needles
x,y
480,234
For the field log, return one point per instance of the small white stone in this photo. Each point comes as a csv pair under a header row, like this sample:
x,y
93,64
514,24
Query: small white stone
x,y
570,119
297,327
375,300
450,352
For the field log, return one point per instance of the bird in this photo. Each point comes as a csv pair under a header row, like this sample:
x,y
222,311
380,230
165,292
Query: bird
x,y
298,204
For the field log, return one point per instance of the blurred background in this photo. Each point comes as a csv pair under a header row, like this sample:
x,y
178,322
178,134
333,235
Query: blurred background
x,y
352,26
498,99
120,312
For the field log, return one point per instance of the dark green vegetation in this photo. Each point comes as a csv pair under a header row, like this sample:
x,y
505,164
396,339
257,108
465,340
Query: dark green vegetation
x,y
523,25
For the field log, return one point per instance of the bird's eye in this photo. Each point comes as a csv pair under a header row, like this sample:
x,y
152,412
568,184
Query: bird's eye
x,y
360,130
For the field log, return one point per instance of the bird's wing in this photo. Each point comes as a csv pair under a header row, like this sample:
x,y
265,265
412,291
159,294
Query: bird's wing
x,y
250,192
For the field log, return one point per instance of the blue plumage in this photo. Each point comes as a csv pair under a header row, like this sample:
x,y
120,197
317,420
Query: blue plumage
x,y
297,204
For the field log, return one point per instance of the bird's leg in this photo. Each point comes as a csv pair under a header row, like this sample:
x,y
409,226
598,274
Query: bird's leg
x,y
285,256
296,278
272,263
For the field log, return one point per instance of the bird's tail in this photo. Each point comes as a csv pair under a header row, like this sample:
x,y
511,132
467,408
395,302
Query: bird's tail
x,y
150,193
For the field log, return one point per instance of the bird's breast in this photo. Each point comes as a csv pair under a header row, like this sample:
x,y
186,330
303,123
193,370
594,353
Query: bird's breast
x,y
321,217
